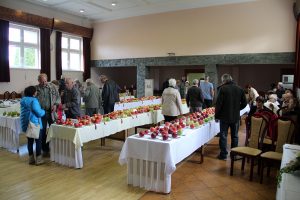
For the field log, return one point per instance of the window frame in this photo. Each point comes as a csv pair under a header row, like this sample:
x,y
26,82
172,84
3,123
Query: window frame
x,y
22,45
69,51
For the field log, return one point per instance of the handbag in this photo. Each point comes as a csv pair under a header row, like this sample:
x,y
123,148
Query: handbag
x,y
33,131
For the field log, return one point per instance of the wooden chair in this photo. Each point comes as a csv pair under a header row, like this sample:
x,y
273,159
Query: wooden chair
x,y
285,132
258,128
6,95
13,95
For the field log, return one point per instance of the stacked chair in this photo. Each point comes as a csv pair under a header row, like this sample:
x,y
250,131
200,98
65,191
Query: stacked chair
x,y
13,95
285,133
253,148
6,95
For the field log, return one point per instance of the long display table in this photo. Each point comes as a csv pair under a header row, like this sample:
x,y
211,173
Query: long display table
x,y
151,162
290,183
10,130
123,106
66,142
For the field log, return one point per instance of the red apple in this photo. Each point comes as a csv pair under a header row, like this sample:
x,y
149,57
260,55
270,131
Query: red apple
x,y
153,135
141,133
167,123
146,131
192,126
174,135
152,129
165,137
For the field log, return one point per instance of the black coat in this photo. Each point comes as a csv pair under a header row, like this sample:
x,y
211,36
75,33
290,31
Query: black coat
x,y
110,93
194,97
230,100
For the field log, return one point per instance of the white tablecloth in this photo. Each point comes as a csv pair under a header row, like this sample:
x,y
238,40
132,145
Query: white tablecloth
x,y
290,184
65,137
10,129
123,106
151,162
9,107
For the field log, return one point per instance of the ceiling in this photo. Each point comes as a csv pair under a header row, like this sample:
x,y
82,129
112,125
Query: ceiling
x,y
103,10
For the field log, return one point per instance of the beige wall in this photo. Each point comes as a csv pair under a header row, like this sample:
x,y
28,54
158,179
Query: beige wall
x,y
262,26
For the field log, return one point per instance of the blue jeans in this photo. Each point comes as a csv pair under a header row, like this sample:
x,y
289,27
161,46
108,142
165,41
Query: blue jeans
x,y
46,119
234,129
38,145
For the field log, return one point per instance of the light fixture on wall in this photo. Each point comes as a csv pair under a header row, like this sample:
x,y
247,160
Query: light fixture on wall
x,y
171,54
114,3
81,10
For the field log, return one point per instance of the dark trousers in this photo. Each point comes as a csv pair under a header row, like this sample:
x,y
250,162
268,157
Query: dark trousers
x,y
91,111
46,119
207,103
234,128
195,109
169,118
38,145
108,108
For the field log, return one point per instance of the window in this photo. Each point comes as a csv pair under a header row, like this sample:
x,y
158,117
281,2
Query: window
x,y
71,53
24,47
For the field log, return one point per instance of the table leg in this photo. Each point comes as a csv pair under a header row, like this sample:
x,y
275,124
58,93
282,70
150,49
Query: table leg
x,y
102,141
201,154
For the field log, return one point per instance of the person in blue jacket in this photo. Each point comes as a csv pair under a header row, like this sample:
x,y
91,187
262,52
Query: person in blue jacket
x,y
30,104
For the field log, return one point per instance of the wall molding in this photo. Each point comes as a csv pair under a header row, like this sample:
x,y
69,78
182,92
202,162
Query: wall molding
x,y
19,16
255,58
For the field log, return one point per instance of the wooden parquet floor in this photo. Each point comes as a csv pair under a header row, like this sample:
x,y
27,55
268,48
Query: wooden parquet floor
x,y
103,178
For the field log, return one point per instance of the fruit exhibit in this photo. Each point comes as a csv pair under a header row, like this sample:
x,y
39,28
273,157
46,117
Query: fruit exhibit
x,y
11,114
175,128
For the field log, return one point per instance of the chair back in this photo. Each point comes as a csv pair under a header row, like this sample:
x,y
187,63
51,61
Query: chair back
x,y
285,132
6,95
13,95
258,129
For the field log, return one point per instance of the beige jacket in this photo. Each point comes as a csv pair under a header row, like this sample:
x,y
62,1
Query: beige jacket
x,y
171,102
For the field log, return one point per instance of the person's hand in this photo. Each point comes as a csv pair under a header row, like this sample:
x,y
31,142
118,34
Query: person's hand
x,y
54,108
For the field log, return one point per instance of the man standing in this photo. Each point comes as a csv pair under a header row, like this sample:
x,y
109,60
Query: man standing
x,y
231,99
182,87
110,94
194,97
49,98
71,99
91,98
207,89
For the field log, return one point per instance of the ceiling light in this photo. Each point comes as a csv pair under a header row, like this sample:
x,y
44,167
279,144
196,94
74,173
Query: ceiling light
x,y
81,10
113,3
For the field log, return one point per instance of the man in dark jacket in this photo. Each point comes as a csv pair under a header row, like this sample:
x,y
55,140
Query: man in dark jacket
x,y
194,97
231,99
110,94
72,100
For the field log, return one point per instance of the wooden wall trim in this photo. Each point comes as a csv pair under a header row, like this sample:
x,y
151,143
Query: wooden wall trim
x,y
19,16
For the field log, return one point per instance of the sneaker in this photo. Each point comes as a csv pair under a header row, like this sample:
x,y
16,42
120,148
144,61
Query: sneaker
x,y
31,160
222,158
39,160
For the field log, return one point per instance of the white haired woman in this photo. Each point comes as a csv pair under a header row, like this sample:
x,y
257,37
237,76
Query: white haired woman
x,y
171,102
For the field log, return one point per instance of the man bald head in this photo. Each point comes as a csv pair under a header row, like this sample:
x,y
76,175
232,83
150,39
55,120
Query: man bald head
x,y
69,83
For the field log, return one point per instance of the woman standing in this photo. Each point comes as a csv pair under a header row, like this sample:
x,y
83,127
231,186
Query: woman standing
x,y
171,102
32,111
